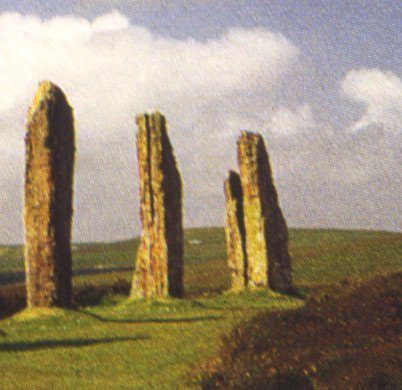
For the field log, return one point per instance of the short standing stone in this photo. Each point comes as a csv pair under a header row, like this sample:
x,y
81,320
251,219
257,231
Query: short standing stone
x,y
48,205
235,231
266,229
159,264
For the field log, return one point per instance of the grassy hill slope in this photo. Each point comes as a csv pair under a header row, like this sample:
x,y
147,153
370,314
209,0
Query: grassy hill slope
x,y
349,339
165,344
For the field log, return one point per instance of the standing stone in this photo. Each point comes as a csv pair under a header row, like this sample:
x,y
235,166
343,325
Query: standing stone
x,y
48,205
235,231
159,264
266,229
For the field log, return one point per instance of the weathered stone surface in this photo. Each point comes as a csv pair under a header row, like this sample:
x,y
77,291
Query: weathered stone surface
x,y
48,205
159,264
266,229
235,231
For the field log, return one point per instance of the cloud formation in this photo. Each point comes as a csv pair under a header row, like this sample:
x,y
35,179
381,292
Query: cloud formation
x,y
112,70
285,122
108,55
381,94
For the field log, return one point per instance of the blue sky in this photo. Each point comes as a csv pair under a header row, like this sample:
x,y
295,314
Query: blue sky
x,y
320,80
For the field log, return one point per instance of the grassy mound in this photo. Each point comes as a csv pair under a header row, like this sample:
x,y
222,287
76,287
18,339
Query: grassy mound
x,y
349,338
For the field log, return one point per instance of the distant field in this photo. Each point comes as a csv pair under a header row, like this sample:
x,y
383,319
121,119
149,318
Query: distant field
x,y
122,254
319,256
164,343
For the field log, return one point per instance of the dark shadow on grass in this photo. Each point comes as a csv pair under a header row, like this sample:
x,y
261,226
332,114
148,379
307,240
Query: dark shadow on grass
x,y
154,320
303,292
45,344
296,292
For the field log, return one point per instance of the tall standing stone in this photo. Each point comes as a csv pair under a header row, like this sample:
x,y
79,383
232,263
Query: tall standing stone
x,y
235,231
48,198
265,225
159,263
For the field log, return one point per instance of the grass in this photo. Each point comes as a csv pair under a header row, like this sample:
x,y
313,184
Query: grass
x,y
122,254
350,339
320,257
120,345
329,256
166,344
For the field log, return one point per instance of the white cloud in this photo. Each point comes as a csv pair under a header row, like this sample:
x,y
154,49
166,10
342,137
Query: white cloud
x,y
110,22
112,70
381,93
285,122
109,67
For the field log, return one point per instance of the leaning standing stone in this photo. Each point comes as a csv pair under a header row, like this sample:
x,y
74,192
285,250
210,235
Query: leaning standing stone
x,y
266,229
159,263
235,231
48,198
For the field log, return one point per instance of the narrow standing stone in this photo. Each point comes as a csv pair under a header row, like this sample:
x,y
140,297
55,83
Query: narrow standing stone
x,y
159,264
235,231
48,198
266,229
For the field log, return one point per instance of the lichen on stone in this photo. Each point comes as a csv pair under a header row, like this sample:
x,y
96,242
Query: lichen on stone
x,y
48,192
235,232
159,263
268,257
45,93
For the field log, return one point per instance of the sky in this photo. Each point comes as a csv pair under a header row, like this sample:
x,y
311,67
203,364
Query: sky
x,y
321,81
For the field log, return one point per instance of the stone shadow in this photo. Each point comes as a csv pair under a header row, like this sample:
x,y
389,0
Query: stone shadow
x,y
46,344
154,320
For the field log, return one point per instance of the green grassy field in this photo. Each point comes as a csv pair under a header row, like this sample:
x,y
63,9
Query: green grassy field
x,y
164,344
122,254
